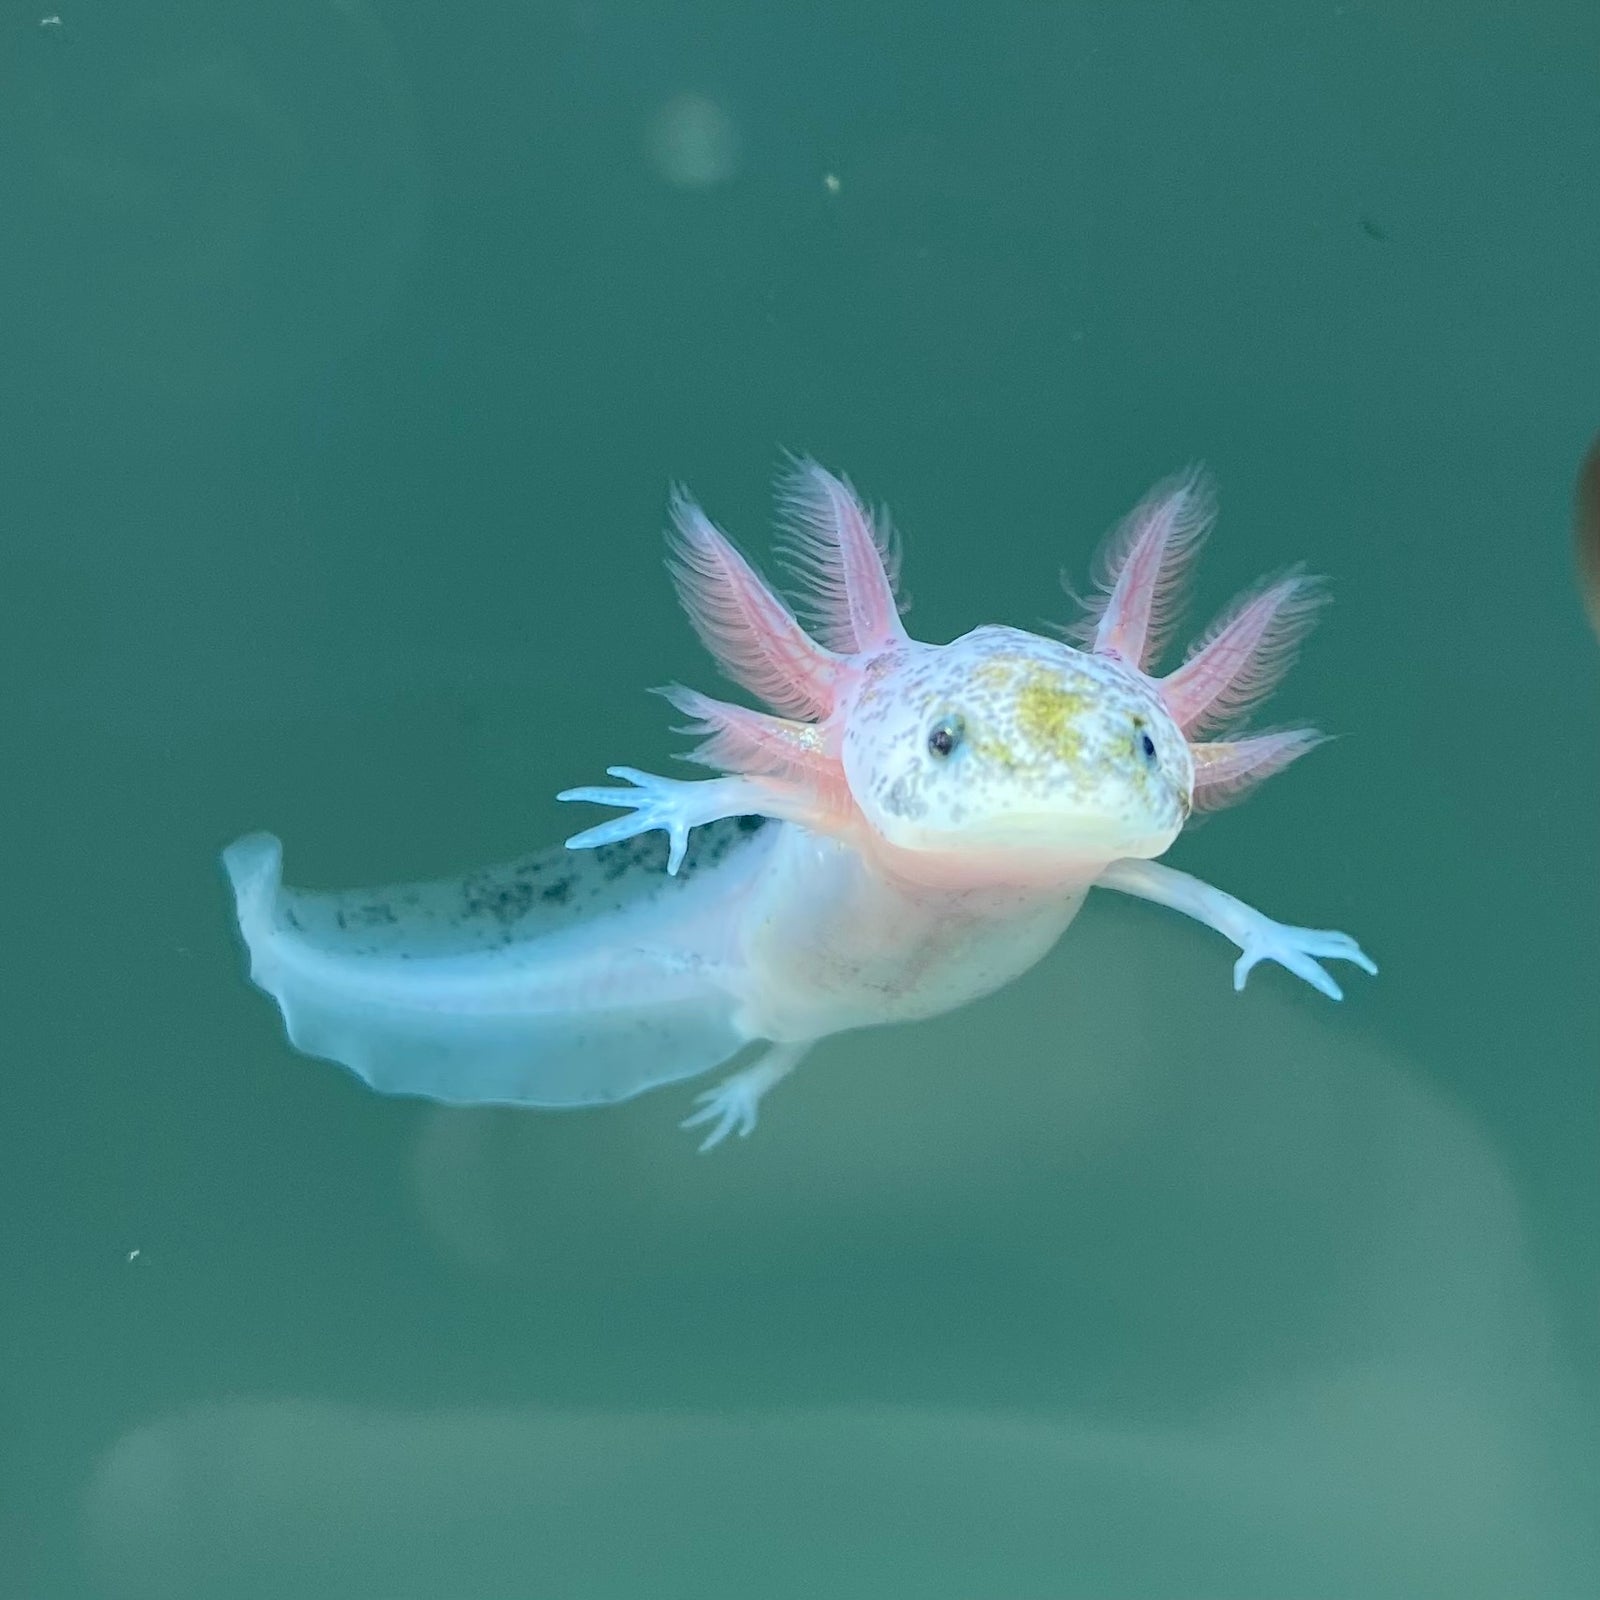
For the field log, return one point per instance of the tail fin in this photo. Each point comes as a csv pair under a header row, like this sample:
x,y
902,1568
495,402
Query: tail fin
x,y
557,980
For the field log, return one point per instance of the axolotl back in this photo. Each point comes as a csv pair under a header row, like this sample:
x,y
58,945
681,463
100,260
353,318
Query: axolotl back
x,y
904,828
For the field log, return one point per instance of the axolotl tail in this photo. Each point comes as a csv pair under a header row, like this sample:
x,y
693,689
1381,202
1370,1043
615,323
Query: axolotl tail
x,y
561,979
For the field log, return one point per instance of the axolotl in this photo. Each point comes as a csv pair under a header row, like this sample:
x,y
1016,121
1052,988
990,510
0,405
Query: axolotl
x,y
905,828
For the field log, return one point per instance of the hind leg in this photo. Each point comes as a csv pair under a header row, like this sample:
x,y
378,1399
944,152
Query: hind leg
x,y
731,1106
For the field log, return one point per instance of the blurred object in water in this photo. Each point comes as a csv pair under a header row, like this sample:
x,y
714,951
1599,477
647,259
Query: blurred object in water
x,y
693,142
1586,532
1385,1479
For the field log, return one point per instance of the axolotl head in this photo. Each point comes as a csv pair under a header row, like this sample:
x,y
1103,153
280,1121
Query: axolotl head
x,y
1005,748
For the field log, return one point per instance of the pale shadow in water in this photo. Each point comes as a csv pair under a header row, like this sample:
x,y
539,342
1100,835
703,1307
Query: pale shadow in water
x,y
1257,1318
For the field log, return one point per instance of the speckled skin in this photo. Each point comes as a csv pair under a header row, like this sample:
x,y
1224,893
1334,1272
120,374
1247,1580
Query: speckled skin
x,y
1049,765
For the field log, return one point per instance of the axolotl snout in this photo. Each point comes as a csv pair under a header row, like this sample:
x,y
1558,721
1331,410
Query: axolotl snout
x,y
905,828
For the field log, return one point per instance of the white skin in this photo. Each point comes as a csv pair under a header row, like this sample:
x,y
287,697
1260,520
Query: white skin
x,y
935,816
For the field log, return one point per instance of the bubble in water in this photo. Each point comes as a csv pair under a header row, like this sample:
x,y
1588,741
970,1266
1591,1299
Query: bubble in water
x,y
693,142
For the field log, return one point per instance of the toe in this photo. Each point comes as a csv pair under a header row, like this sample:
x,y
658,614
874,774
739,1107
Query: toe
x,y
717,1134
705,1114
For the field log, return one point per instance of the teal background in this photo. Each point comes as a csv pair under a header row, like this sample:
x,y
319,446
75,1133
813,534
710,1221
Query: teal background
x,y
348,348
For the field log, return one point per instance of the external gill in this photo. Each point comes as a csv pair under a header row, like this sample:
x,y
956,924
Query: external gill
x,y
784,765
1237,662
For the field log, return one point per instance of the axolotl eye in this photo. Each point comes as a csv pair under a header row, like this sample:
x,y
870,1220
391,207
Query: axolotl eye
x,y
945,735
1144,744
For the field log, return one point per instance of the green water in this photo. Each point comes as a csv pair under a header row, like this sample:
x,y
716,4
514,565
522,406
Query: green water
x,y
348,348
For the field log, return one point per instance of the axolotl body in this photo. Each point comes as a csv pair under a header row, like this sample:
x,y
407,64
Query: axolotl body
x,y
907,827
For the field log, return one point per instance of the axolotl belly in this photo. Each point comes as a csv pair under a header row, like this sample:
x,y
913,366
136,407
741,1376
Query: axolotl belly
x,y
828,943
905,828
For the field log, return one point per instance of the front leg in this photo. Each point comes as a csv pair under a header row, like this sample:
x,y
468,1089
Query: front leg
x,y
676,805
1259,938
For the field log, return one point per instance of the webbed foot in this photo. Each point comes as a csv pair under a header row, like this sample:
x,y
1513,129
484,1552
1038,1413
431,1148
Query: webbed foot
x,y
674,805
731,1106
1297,949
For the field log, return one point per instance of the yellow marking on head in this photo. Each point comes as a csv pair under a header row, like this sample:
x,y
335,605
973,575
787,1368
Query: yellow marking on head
x,y
1049,715
988,748
995,673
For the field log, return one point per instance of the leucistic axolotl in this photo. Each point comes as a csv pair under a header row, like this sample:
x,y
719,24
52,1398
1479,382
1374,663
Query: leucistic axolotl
x,y
905,828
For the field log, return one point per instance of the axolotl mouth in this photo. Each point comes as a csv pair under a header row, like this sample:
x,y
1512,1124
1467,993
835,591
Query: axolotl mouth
x,y
1043,833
